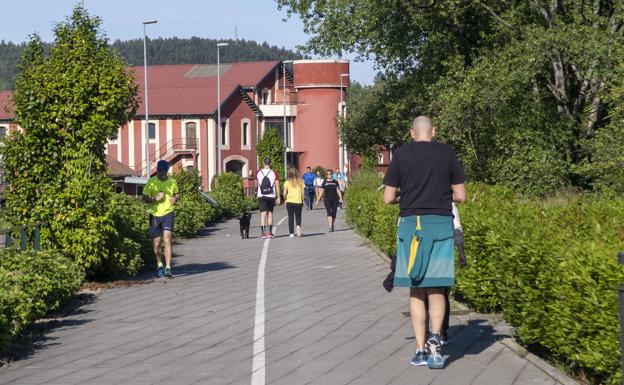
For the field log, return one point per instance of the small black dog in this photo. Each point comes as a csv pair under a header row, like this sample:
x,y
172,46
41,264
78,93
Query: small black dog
x,y
245,221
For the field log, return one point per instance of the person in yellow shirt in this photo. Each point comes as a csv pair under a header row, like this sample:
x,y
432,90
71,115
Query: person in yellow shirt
x,y
161,193
293,193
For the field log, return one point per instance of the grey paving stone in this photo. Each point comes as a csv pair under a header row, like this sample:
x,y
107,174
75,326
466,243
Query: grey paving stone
x,y
327,321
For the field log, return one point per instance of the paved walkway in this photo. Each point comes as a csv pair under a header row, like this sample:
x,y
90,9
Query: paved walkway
x,y
326,320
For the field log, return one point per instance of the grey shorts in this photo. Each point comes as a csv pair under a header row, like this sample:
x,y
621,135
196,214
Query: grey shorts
x,y
159,224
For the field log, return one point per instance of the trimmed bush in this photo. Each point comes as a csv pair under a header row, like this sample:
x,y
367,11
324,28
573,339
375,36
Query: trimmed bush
x,y
549,266
130,247
31,285
228,191
192,212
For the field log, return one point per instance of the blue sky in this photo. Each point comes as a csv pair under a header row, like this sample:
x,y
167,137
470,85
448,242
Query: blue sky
x,y
257,20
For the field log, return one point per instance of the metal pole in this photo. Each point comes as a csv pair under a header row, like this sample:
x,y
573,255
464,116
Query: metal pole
x,y
621,293
341,117
285,127
219,129
218,113
147,152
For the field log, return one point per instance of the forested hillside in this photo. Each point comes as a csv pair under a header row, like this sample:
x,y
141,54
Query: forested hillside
x,y
162,51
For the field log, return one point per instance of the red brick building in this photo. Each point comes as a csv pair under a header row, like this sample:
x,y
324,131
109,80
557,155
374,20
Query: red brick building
x,y
183,115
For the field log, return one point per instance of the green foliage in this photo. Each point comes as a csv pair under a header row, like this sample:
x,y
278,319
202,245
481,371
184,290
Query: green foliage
x,y
130,248
69,103
229,193
496,76
162,51
367,213
31,285
271,146
549,266
192,212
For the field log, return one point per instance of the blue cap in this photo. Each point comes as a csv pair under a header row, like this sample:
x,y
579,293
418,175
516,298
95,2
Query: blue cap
x,y
162,165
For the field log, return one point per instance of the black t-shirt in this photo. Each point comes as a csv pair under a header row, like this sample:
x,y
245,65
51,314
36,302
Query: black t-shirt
x,y
425,171
330,187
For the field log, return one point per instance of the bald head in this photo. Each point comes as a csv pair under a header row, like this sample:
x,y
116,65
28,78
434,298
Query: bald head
x,y
422,128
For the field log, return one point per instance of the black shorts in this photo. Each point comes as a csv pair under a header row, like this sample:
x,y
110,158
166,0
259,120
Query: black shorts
x,y
159,224
266,204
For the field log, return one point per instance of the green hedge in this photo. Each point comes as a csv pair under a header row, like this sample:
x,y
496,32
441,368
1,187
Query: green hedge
x,y
192,212
228,191
549,266
31,285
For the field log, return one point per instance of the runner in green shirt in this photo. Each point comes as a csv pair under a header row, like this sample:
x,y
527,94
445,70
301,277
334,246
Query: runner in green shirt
x,y
161,193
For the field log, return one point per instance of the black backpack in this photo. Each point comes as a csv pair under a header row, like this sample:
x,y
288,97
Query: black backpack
x,y
266,188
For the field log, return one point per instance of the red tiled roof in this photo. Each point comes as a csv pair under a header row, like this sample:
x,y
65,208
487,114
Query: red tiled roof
x,y
117,169
186,89
6,105
192,89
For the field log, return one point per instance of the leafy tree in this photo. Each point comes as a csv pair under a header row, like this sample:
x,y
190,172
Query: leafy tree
x,y
559,58
272,147
69,103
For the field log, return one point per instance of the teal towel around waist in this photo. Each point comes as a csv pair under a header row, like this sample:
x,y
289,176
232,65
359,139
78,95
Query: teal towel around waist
x,y
416,237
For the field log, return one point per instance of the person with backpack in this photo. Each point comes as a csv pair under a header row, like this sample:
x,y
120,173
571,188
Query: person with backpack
x,y
268,196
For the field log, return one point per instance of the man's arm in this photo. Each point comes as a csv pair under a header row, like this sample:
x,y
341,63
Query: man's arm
x,y
390,195
459,192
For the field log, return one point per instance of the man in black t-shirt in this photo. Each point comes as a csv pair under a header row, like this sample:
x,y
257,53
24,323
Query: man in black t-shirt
x,y
430,178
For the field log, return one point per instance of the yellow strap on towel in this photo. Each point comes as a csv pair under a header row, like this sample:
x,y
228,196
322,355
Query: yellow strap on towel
x,y
412,254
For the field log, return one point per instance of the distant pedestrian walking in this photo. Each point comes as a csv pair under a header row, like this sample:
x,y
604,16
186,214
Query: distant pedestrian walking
x,y
331,191
268,196
310,190
161,193
293,195
429,178
318,183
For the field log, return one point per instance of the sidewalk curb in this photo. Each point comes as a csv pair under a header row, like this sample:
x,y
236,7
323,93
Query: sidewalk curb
x,y
553,372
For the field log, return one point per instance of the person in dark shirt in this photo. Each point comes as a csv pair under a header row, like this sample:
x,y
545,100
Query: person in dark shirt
x,y
330,189
429,178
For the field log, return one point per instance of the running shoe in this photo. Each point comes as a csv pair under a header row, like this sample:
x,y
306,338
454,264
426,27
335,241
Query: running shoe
x,y
263,235
160,272
436,359
168,272
330,229
270,235
292,235
420,358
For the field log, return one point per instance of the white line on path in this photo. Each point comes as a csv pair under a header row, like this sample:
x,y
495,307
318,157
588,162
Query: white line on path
x,y
258,372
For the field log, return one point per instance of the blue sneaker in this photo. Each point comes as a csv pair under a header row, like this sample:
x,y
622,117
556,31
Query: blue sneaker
x,y
160,272
167,272
420,358
436,359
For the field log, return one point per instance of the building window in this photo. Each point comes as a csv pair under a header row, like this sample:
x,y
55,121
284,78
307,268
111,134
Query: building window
x,y
191,135
3,132
279,125
266,96
245,134
225,133
380,158
152,131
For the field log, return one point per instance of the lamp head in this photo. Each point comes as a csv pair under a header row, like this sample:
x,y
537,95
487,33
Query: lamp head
x,y
222,44
150,22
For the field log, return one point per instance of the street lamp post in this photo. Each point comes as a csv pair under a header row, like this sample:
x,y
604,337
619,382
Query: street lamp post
x,y
285,125
147,149
342,147
219,129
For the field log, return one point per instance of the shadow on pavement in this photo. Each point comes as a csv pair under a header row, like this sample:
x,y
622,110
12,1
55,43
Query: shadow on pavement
x,y
470,339
36,337
199,268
